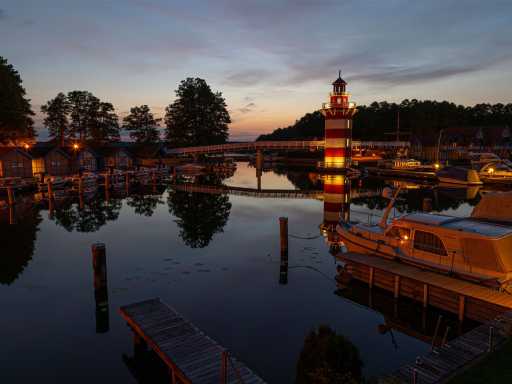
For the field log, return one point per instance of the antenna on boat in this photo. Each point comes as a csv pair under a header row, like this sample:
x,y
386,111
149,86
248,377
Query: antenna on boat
x,y
386,193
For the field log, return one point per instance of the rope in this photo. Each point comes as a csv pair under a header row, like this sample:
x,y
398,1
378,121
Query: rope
x,y
304,238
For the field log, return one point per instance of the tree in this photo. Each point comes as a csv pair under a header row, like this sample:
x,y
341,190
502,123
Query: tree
x,y
91,118
15,110
328,358
103,124
142,125
56,120
81,105
198,116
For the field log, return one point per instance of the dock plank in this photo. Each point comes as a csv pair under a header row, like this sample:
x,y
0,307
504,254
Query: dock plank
x,y
189,352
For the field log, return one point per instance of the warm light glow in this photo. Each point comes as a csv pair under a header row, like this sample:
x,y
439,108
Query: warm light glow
x,y
490,170
26,146
436,165
406,237
334,161
75,146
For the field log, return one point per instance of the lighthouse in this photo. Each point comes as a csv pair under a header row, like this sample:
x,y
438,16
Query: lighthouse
x,y
338,113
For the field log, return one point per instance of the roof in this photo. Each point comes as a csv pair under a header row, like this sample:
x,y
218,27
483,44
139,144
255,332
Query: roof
x,y
149,150
339,81
42,149
459,224
5,150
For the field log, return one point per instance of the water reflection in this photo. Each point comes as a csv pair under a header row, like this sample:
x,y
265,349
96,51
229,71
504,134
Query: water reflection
x,y
93,214
328,357
199,216
144,202
18,232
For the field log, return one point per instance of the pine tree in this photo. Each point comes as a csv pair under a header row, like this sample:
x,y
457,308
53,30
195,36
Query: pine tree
x,y
103,124
56,119
142,125
198,116
15,111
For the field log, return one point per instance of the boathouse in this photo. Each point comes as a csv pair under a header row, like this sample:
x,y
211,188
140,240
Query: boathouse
x,y
149,155
116,157
51,160
14,162
89,159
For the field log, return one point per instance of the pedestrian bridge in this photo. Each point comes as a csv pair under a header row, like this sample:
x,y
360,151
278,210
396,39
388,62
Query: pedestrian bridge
x,y
265,193
311,145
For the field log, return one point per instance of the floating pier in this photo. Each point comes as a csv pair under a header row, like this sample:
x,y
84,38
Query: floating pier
x,y
452,358
466,299
190,355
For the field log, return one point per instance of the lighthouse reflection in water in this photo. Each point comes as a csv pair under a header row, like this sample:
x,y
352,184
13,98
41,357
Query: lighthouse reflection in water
x,y
336,207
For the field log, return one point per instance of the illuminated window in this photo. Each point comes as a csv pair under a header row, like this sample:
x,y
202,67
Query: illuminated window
x,y
428,242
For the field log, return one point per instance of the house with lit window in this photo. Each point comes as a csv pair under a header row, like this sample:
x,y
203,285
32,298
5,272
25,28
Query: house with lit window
x,y
15,162
52,160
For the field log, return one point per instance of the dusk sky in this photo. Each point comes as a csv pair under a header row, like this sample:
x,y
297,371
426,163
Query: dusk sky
x,y
273,60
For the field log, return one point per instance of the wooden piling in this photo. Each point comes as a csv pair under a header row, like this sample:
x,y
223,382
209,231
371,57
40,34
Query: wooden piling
x,y
462,302
50,188
224,368
397,286
99,263
425,295
10,196
283,233
370,278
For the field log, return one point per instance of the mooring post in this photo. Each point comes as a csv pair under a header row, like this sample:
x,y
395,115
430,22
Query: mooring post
x,y
438,324
491,338
99,264
224,367
445,336
50,188
10,196
397,286
11,215
462,302
425,295
414,376
283,233
370,277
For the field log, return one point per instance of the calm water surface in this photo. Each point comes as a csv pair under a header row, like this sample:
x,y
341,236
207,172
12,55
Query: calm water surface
x,y
213,257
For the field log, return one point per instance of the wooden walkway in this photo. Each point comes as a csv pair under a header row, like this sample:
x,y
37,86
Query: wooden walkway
x,y
445,362
192,357
460,287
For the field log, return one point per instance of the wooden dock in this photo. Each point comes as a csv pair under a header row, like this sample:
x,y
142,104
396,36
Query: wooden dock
x,y
190,355
445,362
466,299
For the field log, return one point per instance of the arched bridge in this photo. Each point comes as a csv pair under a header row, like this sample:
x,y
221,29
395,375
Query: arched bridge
x,y
311,145
265,193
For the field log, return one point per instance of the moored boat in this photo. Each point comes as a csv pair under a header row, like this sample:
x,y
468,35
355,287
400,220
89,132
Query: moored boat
x,y
477,248
458,175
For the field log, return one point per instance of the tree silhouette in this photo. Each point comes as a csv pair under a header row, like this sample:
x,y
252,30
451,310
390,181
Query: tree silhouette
x,y
18,240
142,125
15,111
328,358
144,203
56,119
94,215
91,118
199,215
198,116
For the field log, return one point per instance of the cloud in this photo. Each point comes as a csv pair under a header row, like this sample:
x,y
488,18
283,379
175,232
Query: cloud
x,y
247,108
3,15
247,77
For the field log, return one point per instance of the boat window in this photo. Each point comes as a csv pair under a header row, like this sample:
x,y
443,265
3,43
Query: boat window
x,y
399,233
429,242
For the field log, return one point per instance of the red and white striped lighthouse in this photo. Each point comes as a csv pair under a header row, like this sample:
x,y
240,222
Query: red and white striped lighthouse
x,y
338,115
